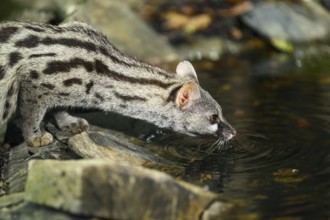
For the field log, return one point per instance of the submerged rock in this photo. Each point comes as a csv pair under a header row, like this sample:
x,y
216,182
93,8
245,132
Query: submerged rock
x,y
296,23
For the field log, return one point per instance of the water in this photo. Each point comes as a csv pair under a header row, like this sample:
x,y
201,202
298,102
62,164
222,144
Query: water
x,y
279,164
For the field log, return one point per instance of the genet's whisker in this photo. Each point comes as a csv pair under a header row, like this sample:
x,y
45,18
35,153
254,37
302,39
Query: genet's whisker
x,y
216,145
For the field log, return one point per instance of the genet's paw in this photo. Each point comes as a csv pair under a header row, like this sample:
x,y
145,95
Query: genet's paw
x,y
77,126
41,139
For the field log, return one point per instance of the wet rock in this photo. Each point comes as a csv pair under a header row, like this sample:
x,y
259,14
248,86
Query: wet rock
x,y
123,27
14,171
2,133
14,206
34,10
105,145
114,186
295,22
209,48
108,189
115,146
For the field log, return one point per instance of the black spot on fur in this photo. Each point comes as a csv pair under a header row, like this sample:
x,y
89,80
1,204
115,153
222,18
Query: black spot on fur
x,y
65,66
11,90
173,94
5,114
34,74
164,118
6,33
48,85
89,86
100,67
42,55
54,28
70,42
123,106
117,59
28,42
2,72
70,82
98,96
64,94
103,69
7,105
35,28
126,98
14,58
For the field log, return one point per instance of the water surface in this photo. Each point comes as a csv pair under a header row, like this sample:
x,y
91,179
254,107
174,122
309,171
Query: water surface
x,y
278,166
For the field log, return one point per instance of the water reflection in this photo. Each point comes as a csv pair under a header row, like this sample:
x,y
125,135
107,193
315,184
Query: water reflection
x,y
278,165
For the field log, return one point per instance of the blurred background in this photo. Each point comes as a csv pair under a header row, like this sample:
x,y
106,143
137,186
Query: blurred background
x,y
266,62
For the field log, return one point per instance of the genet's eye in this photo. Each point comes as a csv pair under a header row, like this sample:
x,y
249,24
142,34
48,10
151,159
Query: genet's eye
x,y
214,119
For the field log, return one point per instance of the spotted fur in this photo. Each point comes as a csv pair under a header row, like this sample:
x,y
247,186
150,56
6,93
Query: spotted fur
x,y
75,65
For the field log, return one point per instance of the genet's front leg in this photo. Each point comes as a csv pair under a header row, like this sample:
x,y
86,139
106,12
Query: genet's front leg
x,y
32,111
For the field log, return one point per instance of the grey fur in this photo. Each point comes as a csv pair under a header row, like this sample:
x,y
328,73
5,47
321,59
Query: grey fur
x,y
74,65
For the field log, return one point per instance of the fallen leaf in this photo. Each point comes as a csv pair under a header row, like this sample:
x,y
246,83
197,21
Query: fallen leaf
x,y
175,20
205,177
282,45
190,24
199,22
236,10
236,33
302,123
288,175
325,80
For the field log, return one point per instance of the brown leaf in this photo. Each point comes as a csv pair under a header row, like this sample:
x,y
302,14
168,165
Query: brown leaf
x,y
237,10
302,123
205,177
175,20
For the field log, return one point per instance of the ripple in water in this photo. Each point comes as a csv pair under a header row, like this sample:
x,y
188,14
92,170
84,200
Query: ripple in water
x,y
279,163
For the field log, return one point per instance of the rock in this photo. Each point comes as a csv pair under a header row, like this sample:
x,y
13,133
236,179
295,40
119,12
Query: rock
x,y
14,206
34,10
99,143
293,22
115,146
2,133
13,199
108,189
123,27
15,170
105,145
209,48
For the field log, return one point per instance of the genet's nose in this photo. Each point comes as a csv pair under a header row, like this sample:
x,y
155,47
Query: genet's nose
x,y
233,131
227,131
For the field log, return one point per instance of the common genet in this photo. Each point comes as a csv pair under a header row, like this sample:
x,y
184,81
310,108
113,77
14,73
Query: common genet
x,y
72,65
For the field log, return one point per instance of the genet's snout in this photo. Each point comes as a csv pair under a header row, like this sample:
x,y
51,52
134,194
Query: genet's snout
x,y
226,130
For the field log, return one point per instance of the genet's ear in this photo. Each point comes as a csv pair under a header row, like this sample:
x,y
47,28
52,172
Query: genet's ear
x,y
187,94
185,68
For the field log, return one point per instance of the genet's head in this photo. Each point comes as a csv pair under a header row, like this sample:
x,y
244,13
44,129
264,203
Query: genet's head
x,y
198,114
